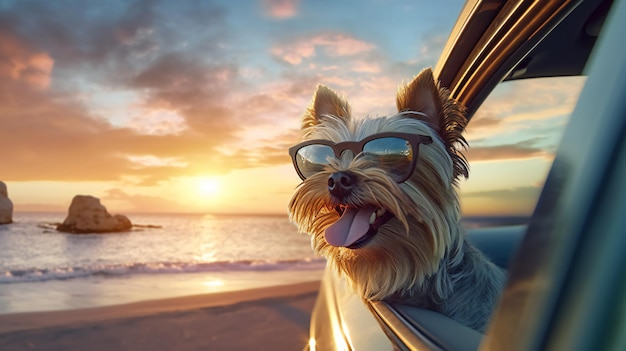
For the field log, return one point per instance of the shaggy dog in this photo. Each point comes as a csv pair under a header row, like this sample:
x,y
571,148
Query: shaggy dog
x,y
379,200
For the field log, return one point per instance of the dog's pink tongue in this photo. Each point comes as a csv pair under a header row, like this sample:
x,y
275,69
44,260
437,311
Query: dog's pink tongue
x,y
353,224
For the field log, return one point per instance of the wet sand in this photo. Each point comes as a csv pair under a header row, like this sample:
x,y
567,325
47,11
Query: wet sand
x,y
272,318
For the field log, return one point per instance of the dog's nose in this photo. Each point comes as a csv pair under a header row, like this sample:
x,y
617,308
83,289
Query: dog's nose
x,y
341,184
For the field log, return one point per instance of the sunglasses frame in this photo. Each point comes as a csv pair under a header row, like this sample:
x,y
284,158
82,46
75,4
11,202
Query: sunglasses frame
x,y
357,147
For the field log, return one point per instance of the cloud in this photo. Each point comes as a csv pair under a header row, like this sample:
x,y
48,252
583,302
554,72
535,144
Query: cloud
x,y
274,152
330,44
47,138
484,120
280,9
522,120
181,111
196,90
107,43
76,36
20,63
157,122
152,161
521,150
368,75
528,104
369,67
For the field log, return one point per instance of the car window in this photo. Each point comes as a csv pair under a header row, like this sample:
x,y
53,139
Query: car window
x,y
512,141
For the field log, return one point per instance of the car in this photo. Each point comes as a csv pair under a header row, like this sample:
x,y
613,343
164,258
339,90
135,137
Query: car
x,y
566,287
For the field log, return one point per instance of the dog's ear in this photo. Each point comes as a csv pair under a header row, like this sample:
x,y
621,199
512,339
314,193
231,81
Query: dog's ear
x,y
422,95
444,114
325,103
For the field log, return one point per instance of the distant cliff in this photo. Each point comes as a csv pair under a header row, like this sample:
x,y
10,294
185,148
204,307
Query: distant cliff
x,y
6,205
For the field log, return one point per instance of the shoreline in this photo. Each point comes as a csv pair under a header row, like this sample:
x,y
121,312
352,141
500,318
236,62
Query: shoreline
x,y
100,291
275,317
42,319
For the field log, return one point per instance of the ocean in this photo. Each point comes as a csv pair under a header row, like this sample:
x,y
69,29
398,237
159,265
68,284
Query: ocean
x,y
173,255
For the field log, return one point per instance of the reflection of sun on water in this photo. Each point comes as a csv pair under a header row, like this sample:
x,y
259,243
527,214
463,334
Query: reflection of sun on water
x,y
213,284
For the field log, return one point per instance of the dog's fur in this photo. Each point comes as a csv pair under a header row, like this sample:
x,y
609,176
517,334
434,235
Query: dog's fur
x,y
420,256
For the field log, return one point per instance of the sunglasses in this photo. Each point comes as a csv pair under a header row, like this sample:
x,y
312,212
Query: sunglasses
x,y
395,153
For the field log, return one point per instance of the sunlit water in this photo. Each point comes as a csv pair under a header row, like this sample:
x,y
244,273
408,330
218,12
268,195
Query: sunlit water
x,y
42,269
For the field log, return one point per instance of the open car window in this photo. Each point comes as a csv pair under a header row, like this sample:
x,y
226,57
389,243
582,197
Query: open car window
x,y
512,140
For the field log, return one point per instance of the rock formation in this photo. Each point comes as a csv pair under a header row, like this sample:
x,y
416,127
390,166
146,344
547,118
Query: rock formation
x,y
6,206
88,215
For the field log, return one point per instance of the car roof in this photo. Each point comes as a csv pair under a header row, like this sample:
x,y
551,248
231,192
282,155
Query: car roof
x,y
497,40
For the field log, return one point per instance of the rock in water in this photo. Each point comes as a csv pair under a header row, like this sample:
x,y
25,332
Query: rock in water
x,y
88,215
6,206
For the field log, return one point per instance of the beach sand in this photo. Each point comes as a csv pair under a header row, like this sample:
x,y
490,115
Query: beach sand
x,y
271,318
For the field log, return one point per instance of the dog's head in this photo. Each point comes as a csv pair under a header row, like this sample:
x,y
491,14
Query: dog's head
x,y
378,194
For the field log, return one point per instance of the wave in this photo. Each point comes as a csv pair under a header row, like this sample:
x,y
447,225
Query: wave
x,y
64,273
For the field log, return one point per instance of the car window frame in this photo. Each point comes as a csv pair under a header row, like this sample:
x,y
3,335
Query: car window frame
x,y
563,290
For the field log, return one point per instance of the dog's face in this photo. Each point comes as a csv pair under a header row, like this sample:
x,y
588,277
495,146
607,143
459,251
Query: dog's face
x,y
378,195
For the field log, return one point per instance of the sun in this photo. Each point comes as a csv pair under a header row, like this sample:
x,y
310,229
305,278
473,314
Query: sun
x,y
201,193
208,187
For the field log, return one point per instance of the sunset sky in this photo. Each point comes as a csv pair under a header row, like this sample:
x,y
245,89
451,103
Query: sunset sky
x,y
190,106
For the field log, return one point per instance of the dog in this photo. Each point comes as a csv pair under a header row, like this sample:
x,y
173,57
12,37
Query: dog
x,y
378,198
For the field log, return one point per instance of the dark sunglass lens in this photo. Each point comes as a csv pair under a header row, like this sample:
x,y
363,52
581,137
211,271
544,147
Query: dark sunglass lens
x,y
392,154
312,159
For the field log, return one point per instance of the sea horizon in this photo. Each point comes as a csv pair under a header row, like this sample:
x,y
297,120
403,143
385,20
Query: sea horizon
x,y
506,219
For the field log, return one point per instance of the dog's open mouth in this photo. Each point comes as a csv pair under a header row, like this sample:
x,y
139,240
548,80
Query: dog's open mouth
x,y
357,226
